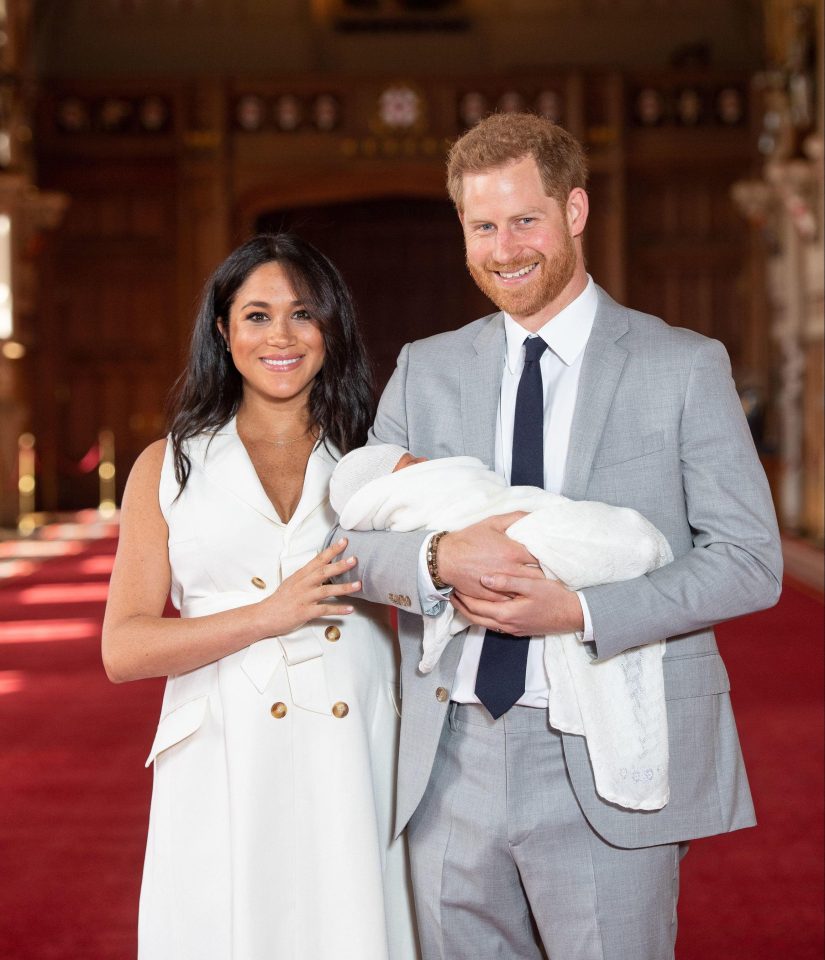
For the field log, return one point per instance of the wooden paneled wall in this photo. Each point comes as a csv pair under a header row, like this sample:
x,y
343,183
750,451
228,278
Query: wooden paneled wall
x,y
107,345
165,178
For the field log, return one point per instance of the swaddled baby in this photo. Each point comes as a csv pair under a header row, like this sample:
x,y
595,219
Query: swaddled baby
x,y
617,704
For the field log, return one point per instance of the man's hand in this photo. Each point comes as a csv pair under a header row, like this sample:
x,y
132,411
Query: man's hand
x,y
523,606
465,556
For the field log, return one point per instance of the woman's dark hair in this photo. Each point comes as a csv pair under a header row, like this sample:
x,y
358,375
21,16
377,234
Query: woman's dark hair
x,y
208,393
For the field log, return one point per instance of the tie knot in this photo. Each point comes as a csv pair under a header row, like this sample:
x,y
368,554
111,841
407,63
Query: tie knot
x,y
534,347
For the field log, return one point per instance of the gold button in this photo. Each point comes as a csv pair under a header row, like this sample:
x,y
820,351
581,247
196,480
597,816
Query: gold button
x,y
332,634
278,710
340,709
442,694
260,584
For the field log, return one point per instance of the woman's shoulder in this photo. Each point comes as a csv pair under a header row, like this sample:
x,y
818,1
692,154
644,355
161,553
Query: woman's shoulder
x,y
145,478
149,464
153,455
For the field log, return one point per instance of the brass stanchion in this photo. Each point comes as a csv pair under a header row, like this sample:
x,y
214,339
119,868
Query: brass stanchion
x,y
26,484
106,473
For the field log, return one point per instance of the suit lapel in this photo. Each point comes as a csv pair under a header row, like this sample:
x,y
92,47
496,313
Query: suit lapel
x,y
480,379
601,371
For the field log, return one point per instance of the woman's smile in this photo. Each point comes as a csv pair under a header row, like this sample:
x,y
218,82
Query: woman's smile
x,y
282,364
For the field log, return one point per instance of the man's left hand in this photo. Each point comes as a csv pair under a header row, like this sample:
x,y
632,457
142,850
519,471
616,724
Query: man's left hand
x,y
527,608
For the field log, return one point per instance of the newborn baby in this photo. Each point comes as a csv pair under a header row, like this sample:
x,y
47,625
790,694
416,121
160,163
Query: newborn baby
x,y
617,704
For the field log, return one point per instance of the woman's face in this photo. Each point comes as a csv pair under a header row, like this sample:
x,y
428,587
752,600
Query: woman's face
x,y
276,345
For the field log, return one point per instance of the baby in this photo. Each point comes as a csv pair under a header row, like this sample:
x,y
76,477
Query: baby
x,y
617,704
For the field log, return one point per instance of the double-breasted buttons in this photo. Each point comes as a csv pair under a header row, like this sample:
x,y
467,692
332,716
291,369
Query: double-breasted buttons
x,y
442,694
257,582
278,710
340,709
332,634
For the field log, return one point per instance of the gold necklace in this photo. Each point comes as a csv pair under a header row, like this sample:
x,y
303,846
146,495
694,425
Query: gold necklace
x,y
282,441
286,441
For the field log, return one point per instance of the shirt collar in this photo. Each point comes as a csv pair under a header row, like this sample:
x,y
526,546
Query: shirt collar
x,y
566,334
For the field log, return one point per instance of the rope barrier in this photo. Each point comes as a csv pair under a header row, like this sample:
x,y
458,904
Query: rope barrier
x,y
88,462
100,456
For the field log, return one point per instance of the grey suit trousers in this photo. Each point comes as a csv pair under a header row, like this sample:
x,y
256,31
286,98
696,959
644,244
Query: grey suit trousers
x,y
504,860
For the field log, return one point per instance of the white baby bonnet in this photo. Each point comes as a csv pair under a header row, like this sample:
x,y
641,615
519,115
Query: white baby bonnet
x,y
358,467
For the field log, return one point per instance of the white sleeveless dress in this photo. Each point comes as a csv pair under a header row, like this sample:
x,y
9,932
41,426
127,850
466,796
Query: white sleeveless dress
x,y
270,834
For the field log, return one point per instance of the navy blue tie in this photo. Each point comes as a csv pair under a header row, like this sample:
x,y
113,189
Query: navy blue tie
x,y
503,664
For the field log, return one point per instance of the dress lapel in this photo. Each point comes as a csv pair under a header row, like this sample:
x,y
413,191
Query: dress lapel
x,y
320,465
601,371
224,460
480,379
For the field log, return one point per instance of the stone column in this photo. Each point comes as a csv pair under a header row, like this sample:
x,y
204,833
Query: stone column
x,y
32,214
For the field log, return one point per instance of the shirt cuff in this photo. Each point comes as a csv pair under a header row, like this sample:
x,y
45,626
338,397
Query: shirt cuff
x,y
432,599
587,636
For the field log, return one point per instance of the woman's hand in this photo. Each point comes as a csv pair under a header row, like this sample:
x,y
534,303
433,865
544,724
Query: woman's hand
x,y
303,596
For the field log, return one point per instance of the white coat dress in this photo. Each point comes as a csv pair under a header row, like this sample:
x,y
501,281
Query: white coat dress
x,y
270,834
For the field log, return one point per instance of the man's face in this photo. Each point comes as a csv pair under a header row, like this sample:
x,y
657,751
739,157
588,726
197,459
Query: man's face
x,y
520,243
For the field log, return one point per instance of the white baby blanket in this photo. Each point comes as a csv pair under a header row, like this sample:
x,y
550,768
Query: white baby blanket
x,y
618,704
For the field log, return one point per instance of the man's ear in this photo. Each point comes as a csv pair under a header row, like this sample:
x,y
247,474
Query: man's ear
x,y
577,209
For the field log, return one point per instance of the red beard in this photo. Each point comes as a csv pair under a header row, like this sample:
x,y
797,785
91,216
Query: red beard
x,y
532,297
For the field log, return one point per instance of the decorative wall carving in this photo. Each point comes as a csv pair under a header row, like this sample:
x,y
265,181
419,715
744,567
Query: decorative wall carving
x,y
148,114
287,112
690,105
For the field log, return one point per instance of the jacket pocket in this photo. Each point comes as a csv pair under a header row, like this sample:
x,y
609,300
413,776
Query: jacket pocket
x,y
698,676
177,725
631,449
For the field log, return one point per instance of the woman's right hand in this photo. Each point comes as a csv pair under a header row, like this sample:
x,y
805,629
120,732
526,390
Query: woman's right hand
x,y
303,595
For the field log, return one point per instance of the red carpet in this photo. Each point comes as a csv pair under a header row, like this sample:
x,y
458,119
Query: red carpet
x,y
74,795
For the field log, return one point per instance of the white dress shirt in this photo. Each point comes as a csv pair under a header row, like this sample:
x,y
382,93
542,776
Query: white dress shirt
x,y
566,336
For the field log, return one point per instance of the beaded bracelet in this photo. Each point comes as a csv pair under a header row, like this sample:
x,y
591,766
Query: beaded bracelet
x,y
432,560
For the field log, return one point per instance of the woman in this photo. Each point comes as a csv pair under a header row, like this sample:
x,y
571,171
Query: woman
x,y
270,831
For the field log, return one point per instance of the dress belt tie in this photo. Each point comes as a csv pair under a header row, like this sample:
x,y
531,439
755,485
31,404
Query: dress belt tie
x,y
301,652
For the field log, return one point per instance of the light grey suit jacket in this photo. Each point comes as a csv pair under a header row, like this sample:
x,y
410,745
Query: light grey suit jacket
x,y
658,427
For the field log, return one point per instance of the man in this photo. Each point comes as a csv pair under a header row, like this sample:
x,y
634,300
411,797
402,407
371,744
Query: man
x,y
512,847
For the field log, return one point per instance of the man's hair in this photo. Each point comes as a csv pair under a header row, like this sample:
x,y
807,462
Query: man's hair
x,y
504,138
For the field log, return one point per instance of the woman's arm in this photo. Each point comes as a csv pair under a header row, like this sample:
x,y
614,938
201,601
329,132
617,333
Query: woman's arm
x,y
139,642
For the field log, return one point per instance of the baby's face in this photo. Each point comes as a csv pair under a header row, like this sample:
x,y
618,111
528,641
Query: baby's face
x,y
407,461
